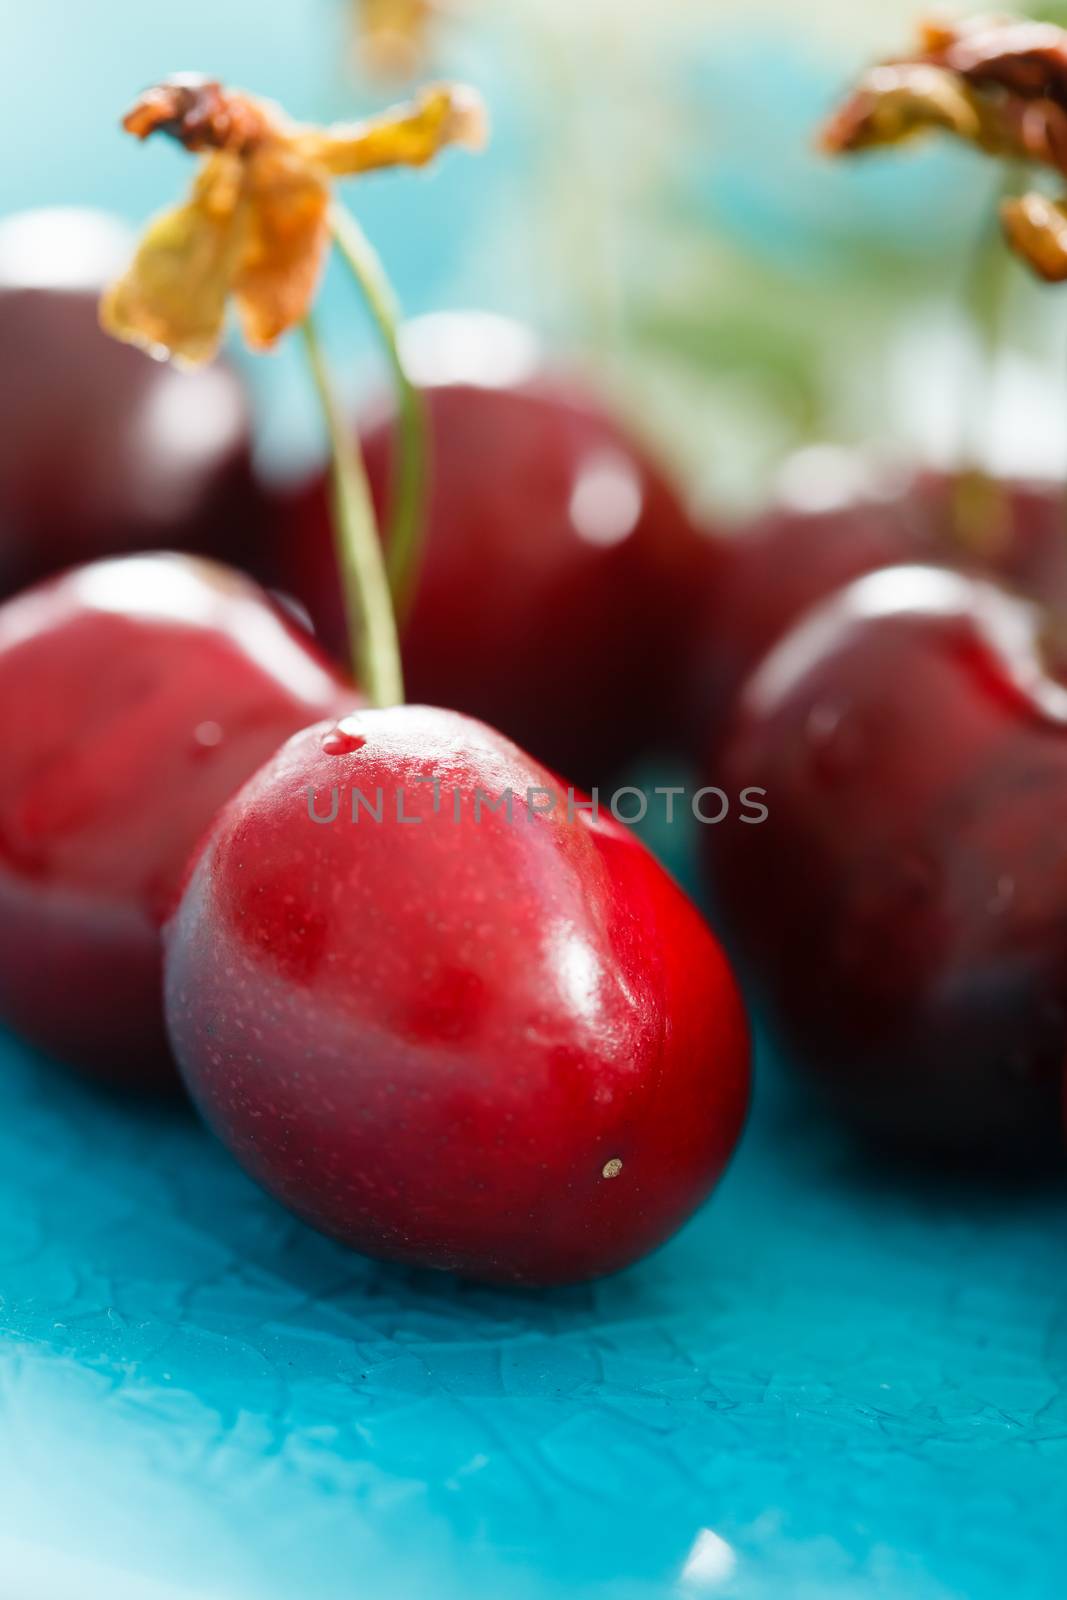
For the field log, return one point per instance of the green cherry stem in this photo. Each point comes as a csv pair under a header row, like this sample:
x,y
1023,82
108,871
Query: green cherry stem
x,y
368,605
406,520
981,509
987,294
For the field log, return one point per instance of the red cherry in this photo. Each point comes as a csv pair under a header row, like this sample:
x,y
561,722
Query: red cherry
x,y
904,906
553,598
135,696
768,575
102,451
508,1048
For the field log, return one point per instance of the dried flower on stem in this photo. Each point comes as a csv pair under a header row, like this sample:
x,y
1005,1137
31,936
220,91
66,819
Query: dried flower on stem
x,y
999,84
256,227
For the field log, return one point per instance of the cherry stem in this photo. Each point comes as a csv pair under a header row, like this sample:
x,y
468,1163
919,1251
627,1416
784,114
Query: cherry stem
x,y
987,293
980,506
368,605
406,518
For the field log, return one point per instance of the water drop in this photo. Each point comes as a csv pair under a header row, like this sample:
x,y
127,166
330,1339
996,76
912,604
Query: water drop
x,y
836,742
207,735
342,741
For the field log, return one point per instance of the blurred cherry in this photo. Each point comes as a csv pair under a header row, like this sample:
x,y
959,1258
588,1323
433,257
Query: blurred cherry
x,y
839,518
135,696
558,582
904,907
101,451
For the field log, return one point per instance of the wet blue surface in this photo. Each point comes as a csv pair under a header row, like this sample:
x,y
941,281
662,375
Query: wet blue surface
x,y
857,1385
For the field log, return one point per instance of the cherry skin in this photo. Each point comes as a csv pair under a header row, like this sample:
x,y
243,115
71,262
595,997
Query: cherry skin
x,y
904,906
764,578
557,578
135,696
102,451
505,1048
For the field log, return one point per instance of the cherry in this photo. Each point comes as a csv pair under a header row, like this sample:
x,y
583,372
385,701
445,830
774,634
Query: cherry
x,y
557,577
767,576
502,1046
135,696
101,451
904,907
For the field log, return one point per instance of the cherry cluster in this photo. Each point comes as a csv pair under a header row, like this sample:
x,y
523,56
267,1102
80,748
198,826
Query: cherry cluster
x,y
894,674
512,1050
498,1039
902,913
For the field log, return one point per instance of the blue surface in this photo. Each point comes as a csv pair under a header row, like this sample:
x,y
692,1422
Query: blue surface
x,y
859,1385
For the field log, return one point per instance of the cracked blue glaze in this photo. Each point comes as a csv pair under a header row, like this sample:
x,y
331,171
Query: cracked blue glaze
x,y
833,1383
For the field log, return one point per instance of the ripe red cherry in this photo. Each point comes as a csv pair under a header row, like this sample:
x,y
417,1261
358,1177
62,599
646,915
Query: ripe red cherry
x,y
769,574
135,696
904,907
101,451
505,1048
557,578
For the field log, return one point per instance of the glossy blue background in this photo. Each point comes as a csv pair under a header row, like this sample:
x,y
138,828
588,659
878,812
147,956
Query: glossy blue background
x,y
836,1382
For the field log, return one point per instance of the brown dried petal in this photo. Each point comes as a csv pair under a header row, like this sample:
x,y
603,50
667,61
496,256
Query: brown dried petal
x,y
1041,131
936,34
993,104
1028,58
201,115
1036,228
897,102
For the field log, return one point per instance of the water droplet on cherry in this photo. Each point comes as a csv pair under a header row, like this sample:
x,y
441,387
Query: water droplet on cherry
x,y
343,741
207,735
836,742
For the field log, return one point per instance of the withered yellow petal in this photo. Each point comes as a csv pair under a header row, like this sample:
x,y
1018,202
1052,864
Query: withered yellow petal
x,y
405,136
1036,228
285,244
172,298
256,225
